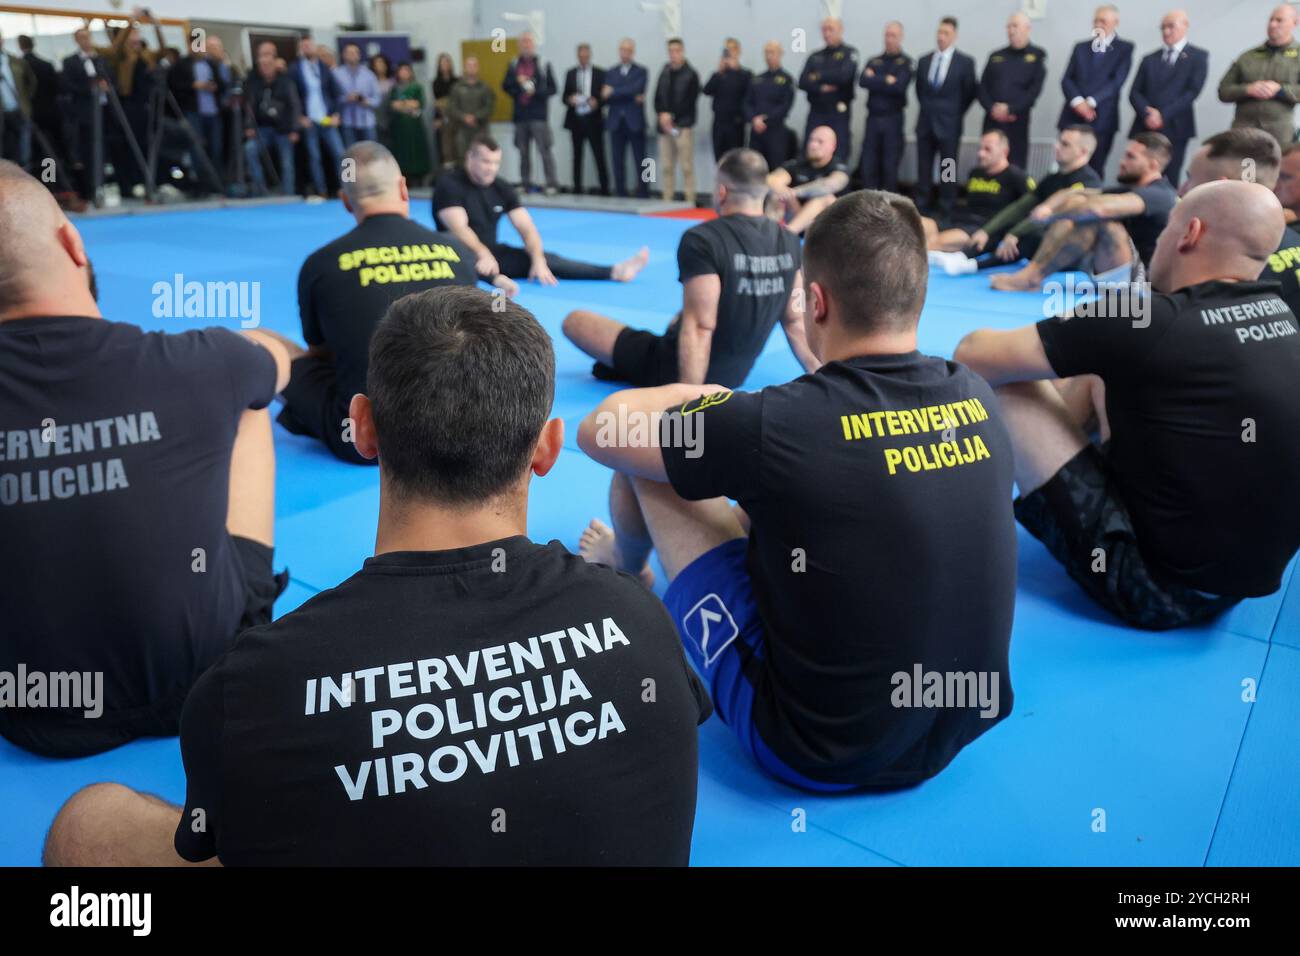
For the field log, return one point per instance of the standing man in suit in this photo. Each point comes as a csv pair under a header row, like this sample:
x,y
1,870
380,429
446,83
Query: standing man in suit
x,y
945,88
624,91
1165,89
85,78
17,89
1012,80
767,104
677,95
1264,81
885,78
1093,78
45,101
828,77
583,118
530,83
727,88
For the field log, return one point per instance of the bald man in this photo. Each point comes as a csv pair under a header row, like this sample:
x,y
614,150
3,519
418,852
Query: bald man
x,y
1188,504
767,104
346,286
1010,86
137,484
1096,72
885,78
1164,91
802,188
828,77
1264,82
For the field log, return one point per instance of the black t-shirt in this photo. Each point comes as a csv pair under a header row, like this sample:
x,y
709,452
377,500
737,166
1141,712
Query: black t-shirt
x,y
505,703
345,288
882,550
756,260
1284,268
1085,177
114,488
1144,229
987,195
484,205
802,172
1203,422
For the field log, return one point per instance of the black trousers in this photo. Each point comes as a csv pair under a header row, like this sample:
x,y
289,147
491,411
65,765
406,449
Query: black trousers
x,y
1017,136
728,133
928,146
589,132
515,263
1174,171
882,150
1098,161
620,140
771,143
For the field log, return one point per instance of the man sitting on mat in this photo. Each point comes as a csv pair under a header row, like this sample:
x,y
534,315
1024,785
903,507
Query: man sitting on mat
x,y
345,287
468,697
856,635
992,186
470,200
1012,234
1112,232
1188,504
137,484
803,187
739,273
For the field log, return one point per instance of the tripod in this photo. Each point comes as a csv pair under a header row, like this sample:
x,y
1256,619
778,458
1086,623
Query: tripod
x,y
30,127
161,98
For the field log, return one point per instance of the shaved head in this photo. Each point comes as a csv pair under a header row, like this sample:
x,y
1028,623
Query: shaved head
x,y
30,234
375,172
1225,229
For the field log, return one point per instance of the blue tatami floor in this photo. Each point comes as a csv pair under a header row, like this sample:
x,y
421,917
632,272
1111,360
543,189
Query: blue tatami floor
x,y
1185,745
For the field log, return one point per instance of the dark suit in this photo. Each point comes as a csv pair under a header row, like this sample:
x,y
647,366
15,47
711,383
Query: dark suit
x,y
586,129
82,93
45,108
625,120
939,122
1173,91
1100,75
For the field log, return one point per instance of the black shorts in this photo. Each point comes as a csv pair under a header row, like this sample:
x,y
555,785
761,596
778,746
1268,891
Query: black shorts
x,y
1081,518
642,359
58,733
312,406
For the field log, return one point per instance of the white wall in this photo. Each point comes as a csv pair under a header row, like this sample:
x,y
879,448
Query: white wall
x,y
312,13
1225,29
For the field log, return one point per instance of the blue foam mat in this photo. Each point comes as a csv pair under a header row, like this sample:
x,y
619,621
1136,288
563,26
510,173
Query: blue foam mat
x,y
1149,728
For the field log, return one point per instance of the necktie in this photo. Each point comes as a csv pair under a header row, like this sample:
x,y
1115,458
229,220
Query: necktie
x,y
934,69
1170,53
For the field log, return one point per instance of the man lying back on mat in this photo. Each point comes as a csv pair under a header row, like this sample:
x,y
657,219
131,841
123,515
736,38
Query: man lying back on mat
x,y
345,287
739,274
1188,504
137,485
856,636
468,696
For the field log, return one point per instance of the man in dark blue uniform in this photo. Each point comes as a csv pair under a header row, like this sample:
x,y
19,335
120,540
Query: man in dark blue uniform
x,y
727,88
945,88
827,78
1165,89
767,104
885,79
1012,80
1093,78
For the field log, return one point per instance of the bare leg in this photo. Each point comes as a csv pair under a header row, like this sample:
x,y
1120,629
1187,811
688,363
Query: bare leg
x,y
107,824
1063,247
808,212
1044,434
627,545
595,334
250,512
683,530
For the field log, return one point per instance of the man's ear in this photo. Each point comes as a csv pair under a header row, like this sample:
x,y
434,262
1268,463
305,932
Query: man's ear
x,y
343,195
1191,236
402,190
363,427
70,239
817,307
548,447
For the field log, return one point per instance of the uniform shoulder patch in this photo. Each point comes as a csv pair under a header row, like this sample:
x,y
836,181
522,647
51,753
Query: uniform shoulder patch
x,y
705,401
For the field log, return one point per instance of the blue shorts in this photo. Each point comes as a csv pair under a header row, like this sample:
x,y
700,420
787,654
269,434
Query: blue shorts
x,y
712,603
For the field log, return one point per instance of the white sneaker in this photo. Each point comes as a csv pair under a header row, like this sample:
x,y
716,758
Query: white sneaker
x,y
954,263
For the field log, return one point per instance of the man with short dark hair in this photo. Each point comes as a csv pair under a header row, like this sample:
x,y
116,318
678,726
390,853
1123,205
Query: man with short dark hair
x,y
137,491
739,273
584,117
992,186
1112,232
346,286
271,120
464,676
469,202
677,95
946,85
727,87
880,543
1187,504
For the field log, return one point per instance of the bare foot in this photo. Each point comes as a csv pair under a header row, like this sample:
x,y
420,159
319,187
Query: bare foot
x,y
599,545
1025,280
626,270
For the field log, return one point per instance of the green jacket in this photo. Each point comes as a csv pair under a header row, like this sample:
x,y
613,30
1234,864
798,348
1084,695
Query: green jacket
x,y
1280,64
477,100
24,81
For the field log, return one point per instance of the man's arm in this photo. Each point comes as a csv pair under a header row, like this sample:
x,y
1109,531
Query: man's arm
x,y
827,185
700,297
282,350
1010,215
1005,356
639,461
456,219
1084,205
792,325
539,270
1232,88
